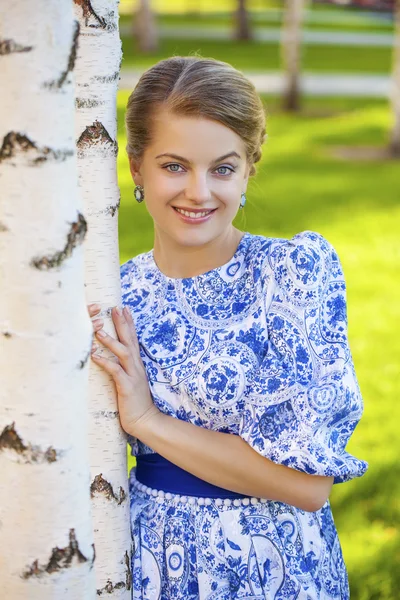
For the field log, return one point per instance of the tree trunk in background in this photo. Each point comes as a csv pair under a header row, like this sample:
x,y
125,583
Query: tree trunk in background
x,y
97,75
46,530
291,53
243,30
395,135
145,28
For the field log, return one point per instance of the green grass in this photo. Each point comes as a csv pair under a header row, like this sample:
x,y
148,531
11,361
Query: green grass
x,y
253,56
356,206
362,24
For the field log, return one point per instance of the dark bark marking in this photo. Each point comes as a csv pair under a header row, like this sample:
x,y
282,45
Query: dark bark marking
x,y
61,558
14,143
75,238
96,134
92,19
109,588
108,414
128,580
7,334
87,103
10,440
83,362
102,486
106,78
71,61
113,208
10,46
3,227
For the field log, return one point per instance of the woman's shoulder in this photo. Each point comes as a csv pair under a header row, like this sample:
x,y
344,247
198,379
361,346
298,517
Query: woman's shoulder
x,y
300,266
303,265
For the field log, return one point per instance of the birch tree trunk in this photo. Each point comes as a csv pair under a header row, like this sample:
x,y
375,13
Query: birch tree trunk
x,y
291,53
145,28
46,531
395,135
243,30
97,75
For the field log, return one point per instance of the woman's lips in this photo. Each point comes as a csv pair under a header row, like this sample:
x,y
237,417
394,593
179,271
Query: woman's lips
x,y
194,220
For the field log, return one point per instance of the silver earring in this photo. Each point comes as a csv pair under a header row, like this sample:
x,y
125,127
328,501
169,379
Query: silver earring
x,y
242,200
138,192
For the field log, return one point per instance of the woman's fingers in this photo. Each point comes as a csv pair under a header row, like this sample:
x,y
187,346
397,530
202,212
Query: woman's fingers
x,y
93,309
121,347
132,329
97,324
122,327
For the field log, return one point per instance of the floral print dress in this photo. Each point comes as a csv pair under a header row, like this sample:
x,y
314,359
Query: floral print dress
x,y
257,348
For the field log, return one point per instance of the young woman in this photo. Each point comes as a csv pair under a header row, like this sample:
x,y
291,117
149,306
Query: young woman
x,y
234,377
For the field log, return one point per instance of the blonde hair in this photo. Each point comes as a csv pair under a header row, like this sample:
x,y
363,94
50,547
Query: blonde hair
x,y
202,87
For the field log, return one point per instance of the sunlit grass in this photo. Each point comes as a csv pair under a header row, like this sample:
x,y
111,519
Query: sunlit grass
x,y
353,23
356,206
256,56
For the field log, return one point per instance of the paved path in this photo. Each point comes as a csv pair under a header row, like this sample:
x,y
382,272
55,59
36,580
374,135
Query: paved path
x,y
318,84
274,34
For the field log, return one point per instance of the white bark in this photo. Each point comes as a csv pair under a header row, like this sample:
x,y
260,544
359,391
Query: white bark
x,y
97,74
145,28
46,537
395,134
291,52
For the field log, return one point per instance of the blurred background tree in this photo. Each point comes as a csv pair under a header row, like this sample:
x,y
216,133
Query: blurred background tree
x,y
145,28
243,31
291,52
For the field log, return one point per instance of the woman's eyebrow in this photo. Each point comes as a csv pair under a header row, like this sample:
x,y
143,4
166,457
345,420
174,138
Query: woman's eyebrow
x,y
182,159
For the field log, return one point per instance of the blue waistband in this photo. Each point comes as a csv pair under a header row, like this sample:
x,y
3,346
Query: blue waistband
x,y
157,472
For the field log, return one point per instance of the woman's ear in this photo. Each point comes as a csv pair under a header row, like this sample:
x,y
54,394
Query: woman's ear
x,y
134,167
246,177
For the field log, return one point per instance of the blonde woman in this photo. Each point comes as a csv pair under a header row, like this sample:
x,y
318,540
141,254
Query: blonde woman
x,y
234,377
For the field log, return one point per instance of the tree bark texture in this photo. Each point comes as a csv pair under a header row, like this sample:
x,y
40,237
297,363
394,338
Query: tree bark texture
x,y
145,28
97,75
46,529
291,53
395,134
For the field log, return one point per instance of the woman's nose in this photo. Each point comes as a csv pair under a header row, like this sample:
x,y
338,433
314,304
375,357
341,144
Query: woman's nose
x,y
197,188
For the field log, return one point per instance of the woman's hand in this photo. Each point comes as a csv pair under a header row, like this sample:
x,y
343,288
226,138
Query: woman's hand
x,y
135,403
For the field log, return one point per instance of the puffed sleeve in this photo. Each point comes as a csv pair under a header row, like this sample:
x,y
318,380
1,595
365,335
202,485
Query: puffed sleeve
x,y
305,401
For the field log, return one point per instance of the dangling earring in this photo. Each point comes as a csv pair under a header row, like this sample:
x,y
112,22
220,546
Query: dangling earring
x,y
242,200
138,192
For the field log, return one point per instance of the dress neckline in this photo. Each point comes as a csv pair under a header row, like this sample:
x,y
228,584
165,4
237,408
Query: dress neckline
x,y
233,259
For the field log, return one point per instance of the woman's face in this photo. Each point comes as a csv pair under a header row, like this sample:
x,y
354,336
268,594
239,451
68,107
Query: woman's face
x,y
196,165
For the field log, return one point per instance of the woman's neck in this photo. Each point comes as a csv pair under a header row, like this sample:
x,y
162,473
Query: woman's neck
x,y
179,261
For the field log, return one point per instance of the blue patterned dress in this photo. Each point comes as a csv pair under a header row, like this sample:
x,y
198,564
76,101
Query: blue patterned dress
x,y
257,348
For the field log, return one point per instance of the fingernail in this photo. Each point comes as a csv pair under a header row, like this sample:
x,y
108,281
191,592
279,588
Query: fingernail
x,y
101,333
118,311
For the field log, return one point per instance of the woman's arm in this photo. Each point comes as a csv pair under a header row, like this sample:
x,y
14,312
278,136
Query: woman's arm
x,y
228,461
223,459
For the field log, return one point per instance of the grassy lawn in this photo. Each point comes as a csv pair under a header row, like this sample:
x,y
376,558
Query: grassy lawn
x,y
253,56
355,205
359,24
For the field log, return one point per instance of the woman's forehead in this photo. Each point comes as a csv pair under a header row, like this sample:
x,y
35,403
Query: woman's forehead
x,y
176,134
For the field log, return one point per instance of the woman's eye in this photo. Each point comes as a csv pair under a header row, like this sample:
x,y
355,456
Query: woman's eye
x,y
228,170
172,168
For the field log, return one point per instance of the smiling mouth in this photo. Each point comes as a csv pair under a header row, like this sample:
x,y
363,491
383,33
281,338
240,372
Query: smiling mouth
x,y
194,215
